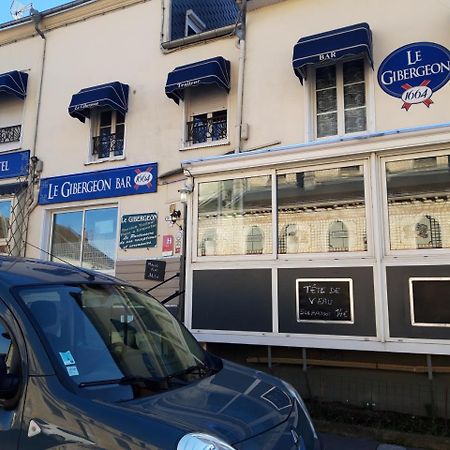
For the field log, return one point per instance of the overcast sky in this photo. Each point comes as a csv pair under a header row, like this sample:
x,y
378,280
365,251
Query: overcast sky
x,y
40,5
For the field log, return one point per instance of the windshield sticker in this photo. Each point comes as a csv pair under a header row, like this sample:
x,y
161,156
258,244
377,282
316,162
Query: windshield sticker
x,y
67,358
72,371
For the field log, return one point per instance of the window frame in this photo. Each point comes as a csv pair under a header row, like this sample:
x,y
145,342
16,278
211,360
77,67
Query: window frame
x,y
4,241
311,106
364,161
187,116
83,209
394,157
94,131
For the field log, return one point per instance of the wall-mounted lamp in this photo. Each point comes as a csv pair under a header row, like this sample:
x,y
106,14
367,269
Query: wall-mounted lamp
x,y
185,191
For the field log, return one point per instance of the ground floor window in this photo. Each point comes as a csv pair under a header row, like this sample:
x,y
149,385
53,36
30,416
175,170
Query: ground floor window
x,y
5,215
86,237
418,195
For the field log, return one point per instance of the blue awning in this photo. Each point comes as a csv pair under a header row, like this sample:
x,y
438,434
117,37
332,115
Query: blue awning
x,y
332,46
14,83
210,71
112,95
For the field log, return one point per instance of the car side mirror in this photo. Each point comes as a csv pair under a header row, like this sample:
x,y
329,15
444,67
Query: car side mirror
x,y
9,384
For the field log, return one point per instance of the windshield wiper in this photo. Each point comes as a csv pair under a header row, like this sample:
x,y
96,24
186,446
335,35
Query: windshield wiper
x,y
201,369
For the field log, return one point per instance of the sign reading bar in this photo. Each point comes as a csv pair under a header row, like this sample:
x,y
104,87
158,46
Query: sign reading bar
x,y
430,301
130,180
327,300
138,230
414,72
155,269
14,164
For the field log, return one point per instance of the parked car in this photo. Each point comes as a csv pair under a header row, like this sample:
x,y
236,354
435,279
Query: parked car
x,y
89,361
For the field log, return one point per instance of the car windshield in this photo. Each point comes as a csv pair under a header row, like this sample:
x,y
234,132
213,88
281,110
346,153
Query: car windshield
x,y
104,334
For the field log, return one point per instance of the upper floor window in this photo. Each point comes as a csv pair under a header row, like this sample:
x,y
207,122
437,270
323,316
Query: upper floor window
x,y
340,98
108,134
193,24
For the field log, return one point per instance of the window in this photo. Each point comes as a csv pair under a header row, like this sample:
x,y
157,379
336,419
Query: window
x,y
240,212
340,99
193,24
418,197
10,366
206,116
85,238
208,245
5,215
108,134
322,211
11,114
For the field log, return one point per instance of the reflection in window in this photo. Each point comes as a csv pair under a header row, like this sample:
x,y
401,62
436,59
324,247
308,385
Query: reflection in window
x,y
255,241
208,243
288,239
418,195
5,214
338,237
428,233
232,207
85,238
311,200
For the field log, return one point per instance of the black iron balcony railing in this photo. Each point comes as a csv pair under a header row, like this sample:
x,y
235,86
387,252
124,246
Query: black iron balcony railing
x,y
207,129
107,145
10,134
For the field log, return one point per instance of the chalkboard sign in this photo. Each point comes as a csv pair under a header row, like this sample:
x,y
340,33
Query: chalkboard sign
x,y
325,300
155,269
430,301
138,230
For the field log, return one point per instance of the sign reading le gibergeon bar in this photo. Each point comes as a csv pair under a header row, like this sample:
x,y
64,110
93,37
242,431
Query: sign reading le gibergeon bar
x,y
414,72
130,180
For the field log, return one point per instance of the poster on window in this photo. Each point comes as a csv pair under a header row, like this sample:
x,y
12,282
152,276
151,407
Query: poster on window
x,y
138,230
325,300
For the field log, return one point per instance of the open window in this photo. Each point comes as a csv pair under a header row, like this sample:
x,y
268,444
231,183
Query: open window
x,y
108,133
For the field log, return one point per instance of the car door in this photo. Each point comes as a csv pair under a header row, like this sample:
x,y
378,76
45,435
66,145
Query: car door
x,y
12,380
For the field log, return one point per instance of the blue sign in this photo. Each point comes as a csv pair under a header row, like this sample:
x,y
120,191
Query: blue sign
x,y
414,72
131,180
14,164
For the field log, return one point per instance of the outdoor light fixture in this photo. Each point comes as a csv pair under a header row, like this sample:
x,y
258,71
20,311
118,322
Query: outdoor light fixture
x,y
185,191
174,216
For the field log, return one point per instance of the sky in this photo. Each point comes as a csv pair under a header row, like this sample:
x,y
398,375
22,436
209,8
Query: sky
x,y
40,5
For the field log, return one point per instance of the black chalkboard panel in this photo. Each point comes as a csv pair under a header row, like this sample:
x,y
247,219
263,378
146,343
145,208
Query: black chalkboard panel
x,y
430,301
325,300
155,269
138,230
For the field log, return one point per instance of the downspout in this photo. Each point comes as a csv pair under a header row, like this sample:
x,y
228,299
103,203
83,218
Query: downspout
x,y
240,88
36,165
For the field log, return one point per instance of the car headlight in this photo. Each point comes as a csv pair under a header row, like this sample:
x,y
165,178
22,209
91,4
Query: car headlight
x,y
200,441
296,396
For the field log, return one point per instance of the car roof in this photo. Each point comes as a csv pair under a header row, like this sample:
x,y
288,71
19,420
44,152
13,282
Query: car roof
x,y
15,271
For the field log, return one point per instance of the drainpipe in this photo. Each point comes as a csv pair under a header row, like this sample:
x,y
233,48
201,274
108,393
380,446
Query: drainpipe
x,y
36,166
240,89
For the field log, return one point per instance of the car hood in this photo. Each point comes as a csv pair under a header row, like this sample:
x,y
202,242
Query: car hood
x,y
235,404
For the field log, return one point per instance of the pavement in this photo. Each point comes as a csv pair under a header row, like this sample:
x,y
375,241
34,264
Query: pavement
x,y
335,442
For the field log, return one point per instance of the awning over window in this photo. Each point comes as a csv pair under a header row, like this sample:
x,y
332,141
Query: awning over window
x,y
112,95
331,46
14,83
210,71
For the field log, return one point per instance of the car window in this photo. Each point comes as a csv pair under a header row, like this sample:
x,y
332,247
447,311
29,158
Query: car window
x,y
10,362
108,332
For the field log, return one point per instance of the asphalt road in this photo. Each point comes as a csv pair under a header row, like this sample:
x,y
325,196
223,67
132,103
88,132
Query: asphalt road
x,y
335,442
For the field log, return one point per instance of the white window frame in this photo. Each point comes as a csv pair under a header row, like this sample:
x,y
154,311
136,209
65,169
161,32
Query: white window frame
x,y
194,23
311,108
83,209
407,253
4,241
187,116
95,131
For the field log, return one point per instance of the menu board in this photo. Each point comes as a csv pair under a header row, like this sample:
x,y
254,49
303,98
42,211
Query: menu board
x,y
155,269
430,301
138,230
327,300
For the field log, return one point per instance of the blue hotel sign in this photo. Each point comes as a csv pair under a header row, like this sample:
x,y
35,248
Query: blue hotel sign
x,y
414,72
130,180
14,164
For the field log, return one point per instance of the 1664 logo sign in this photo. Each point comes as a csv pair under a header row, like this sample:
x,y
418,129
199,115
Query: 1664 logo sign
x,y
414,72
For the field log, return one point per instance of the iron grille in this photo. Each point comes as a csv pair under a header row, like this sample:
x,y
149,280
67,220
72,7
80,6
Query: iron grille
x,y
10,134
204,129
107,145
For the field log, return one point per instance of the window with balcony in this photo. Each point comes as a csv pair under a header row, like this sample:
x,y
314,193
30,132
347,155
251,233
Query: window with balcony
x,y
5,215
108,130
340,99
